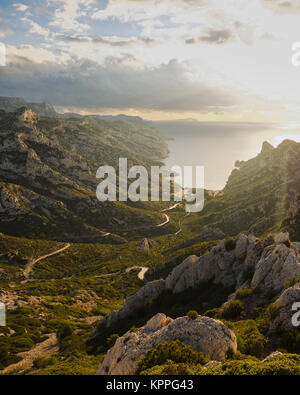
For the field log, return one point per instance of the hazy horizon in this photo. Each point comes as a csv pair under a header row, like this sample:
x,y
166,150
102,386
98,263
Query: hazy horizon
x,y
217,146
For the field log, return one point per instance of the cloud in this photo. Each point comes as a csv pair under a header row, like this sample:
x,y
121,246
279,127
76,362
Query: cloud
x,y
110,41
213,36
35,28
31,56
283,6
67,15
21,7
5,31
115,84
190,41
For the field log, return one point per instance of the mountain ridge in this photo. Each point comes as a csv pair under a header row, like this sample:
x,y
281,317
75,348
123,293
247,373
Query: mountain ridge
x,y
57,160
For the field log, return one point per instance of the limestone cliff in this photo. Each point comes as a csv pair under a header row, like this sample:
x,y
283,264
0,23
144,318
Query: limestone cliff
x,y
264,264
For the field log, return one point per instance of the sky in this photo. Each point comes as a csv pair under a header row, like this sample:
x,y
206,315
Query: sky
x,y
209,60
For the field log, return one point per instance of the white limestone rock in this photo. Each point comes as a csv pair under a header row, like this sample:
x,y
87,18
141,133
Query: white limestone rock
x,y
283,319
204,334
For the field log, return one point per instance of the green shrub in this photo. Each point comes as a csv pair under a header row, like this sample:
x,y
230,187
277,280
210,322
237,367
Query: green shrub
x,y
286,364
233,309
244,293
4,353
112,340
69,365
291,282
41,363
213,313
193,314
20,344
250,340
171,351
290,341
64,331
265,317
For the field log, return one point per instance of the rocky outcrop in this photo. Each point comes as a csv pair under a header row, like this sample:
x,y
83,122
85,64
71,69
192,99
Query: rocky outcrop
x,y
283,319
204,334
264,264
146,244
257,194
277,264
14,103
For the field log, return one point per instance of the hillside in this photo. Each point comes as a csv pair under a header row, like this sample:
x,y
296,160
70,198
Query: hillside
x,y
70,266
260,195
244,289
48,175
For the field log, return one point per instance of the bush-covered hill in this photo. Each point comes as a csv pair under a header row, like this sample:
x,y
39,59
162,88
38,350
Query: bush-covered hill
x,y
48,176
261,195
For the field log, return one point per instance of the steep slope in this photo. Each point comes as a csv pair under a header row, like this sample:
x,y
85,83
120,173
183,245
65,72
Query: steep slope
x,y
259,196
48,172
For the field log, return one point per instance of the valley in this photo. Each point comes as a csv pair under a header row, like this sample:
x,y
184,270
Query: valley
x,y
80,278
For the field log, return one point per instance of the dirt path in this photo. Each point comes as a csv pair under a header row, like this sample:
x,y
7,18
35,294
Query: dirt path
x,y
105,234
171,208
164,223
141,274
29,267
44,349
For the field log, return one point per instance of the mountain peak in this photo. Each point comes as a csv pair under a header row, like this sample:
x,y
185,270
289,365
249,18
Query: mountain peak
x,y
266,147
25,114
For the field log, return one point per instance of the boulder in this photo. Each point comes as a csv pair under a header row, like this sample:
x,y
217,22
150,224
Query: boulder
x,y
283,319
204,334
145,245
274,354
241,247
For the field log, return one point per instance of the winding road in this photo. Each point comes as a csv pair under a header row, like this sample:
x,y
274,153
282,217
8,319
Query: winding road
x,y
141,274
164,223
44,349
171,208
29,267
